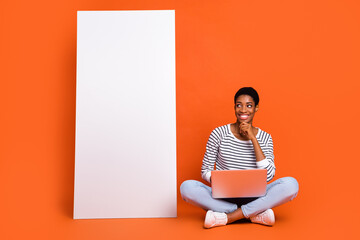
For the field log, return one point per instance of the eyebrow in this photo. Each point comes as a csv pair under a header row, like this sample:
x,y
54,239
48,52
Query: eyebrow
x,y
247,102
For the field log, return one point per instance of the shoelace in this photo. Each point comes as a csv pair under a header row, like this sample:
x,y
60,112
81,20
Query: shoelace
x,y
259,217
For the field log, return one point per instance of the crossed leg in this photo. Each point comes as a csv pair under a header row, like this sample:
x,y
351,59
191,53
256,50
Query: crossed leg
x,y
277,193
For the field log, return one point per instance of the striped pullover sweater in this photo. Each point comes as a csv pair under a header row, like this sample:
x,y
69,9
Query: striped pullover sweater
x,y
226,152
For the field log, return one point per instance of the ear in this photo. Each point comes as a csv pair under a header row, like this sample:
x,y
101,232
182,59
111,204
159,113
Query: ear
x,y
257,108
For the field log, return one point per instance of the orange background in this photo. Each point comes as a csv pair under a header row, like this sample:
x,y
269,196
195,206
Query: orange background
x,y
302,56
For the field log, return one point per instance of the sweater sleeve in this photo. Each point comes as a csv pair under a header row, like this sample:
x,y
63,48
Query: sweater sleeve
x,y
210,155
268,163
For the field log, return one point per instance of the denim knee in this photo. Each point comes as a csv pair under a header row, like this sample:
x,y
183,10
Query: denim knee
x,y
187,189
292,186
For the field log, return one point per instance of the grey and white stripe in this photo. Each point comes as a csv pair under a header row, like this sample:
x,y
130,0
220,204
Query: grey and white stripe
x,y
225,152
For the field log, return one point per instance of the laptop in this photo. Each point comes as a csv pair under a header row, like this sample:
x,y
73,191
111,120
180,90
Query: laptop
x,y
238,183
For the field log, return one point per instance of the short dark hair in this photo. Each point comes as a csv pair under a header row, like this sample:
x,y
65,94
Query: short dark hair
x,y
248,91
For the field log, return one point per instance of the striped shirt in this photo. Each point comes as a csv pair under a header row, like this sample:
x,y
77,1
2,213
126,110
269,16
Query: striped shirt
x,y
226,152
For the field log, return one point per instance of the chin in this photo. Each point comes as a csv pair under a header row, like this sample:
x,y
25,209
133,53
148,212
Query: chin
x,y
244,120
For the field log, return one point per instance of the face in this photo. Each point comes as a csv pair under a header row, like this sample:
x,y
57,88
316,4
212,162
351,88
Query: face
x,y
245,109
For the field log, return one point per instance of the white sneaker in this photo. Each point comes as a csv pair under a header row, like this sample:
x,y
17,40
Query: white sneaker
x,y
266,218
214,219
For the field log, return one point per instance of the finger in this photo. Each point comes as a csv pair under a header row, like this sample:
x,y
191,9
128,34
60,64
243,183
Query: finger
x,y
244,127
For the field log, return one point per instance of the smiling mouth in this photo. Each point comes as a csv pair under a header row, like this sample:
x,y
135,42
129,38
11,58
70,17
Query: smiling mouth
x,y
243,116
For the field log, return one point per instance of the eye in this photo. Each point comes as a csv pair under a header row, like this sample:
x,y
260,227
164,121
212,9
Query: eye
x,y
238,105
249,106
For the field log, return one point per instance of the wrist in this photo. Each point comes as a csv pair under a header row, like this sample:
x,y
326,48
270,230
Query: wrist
x,y
252,138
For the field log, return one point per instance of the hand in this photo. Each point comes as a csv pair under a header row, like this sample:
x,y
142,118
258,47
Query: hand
x,y
246,130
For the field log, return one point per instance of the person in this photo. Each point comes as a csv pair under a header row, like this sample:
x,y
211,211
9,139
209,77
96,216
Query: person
x,y
240,145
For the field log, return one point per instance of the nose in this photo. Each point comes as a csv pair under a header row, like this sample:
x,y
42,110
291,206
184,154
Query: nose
x,y
242,109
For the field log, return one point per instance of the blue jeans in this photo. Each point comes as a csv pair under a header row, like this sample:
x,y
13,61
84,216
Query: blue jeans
x,y
278,192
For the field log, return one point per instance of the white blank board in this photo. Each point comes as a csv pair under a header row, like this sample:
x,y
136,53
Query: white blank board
x,y
125,147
